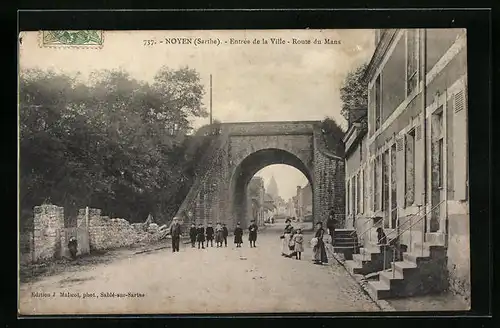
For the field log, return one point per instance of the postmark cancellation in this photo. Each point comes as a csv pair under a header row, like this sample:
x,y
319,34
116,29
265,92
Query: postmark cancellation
x,y
72,39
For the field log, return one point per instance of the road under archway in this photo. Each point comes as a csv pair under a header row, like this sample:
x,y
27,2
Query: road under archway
x,y
253,163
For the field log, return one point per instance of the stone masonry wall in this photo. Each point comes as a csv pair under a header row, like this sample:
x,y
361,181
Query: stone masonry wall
x,y
48,222
329,188
49,233
106,233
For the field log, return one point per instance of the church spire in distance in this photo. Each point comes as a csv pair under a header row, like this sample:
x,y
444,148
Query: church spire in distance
x,y
272,188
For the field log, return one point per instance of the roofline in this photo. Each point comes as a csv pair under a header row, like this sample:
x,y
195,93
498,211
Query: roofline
x,y
270,122
379,53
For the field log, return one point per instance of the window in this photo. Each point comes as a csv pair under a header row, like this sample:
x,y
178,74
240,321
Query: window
x,y
441,161
376,183
411,60
353,196
385,181
410,168
362,188
347,198
365,190
358,193
394,203
460,145
438,148
378,104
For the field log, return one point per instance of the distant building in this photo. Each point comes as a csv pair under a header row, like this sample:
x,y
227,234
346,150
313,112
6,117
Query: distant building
x,y
303,202
257,193
272,188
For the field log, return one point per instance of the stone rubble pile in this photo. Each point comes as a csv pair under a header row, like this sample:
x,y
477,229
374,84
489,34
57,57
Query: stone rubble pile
x,y
108,233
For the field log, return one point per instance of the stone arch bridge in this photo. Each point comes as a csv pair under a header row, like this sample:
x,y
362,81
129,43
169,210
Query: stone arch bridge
x,y
219,193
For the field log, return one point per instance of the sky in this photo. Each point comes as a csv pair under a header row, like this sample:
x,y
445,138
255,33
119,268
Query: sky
x,y
287,178
251,82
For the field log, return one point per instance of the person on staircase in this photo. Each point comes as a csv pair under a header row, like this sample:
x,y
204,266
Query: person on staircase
x,y
210,234
381,237
330,225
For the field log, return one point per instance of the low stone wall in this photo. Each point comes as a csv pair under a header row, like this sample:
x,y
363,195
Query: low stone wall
x,y
106,233
50,236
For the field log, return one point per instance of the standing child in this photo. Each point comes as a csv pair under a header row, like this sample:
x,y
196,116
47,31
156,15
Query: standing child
x,y
298,238
218,234
238,235
201,236
225,233
210,235
252,233
193,232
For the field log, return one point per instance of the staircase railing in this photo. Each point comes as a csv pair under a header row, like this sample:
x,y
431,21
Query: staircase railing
x,y
390,242
201,172
376,225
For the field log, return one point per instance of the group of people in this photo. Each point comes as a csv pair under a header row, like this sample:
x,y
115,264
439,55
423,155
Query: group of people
x,y
201,235
293,241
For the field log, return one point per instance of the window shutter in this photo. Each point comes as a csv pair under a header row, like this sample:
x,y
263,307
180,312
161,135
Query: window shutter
x,y
371,106
460,155
419,166
400,172
418,132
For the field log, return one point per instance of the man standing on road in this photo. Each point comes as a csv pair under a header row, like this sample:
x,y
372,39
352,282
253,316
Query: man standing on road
x,y
225,233
330,224
252,233
175,232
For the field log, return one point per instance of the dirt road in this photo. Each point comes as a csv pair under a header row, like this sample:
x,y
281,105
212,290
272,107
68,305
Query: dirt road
x,y
214,280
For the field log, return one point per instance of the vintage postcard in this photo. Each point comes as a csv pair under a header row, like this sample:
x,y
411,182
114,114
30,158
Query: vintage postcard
x,y
243,171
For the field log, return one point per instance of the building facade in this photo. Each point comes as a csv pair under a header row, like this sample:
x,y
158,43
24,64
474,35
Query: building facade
x,y
257,200
303,202
407,162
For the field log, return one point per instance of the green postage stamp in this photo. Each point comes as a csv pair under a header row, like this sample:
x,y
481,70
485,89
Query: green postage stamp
x,y
68,38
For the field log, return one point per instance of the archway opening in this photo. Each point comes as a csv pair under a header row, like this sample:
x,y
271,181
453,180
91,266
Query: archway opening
x,y
250,184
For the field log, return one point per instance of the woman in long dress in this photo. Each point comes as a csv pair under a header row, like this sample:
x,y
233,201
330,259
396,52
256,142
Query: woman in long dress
x,y
287,233
319,249
219,238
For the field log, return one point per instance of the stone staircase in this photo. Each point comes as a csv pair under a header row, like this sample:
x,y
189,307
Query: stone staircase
x,y
370,259
201,172
345,241
422,271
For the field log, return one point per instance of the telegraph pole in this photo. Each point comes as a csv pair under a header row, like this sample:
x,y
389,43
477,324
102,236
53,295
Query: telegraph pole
x,y
210,99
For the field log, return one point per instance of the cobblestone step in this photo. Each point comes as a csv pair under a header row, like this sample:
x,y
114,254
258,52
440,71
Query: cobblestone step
x,y
389,277
360,259
378,290
402,266
416,257
428,246
369,251
346,238
353,267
